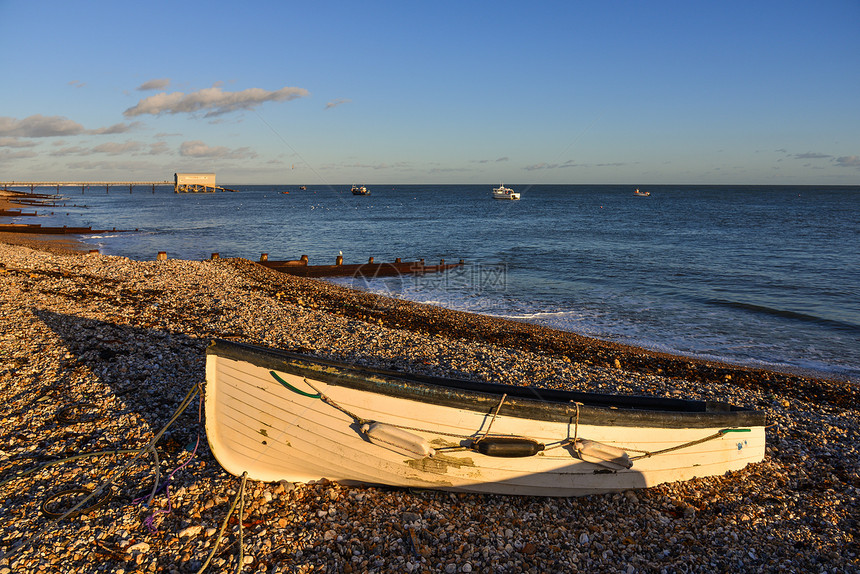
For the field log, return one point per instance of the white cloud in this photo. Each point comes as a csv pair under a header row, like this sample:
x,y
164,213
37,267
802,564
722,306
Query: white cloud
x,y
499,160
401,165
115,129
7,155
213,101
811,155
118,169
201,150
71,150
536,166
570,163
39,126
336,103
158,84
116,148
15,142
848,161
158,148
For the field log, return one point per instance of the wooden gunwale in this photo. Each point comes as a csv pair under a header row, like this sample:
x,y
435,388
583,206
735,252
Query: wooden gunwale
x,y
522,402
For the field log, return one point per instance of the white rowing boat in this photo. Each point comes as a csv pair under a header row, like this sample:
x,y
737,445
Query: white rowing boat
x,y
283,416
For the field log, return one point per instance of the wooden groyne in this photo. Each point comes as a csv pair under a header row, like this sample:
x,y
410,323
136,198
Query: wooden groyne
x,y
41,200
37,228
41,203
16,213
13,195
370,269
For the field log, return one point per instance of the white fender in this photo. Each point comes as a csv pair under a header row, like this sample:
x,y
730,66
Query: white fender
x,y
602,454
398,440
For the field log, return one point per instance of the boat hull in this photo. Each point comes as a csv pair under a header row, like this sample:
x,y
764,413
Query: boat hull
x,y
503,192
256,424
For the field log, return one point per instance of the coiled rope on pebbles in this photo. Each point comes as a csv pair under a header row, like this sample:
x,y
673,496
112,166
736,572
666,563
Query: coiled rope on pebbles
x,y
85,505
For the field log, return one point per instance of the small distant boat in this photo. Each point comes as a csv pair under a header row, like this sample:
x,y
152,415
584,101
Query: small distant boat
x,y
641,193
285,192
285,416
503,192
360,190
303,187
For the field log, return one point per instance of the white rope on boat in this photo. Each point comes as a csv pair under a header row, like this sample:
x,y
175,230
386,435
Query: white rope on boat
x,y
357,419
489,426
717,434
575,442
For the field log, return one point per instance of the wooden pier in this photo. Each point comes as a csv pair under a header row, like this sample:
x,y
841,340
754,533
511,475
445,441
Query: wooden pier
x,y
368,270
83,184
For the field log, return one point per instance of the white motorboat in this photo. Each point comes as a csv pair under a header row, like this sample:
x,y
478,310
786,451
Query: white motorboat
x,y
503,192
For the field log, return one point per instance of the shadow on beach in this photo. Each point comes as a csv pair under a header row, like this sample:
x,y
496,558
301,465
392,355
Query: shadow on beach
x,y
149,370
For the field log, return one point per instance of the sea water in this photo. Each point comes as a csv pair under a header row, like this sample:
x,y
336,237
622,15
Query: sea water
x,y
756,275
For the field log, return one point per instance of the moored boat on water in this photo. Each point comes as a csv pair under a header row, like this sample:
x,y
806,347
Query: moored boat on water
x,y
641,193
284,416
503,192
360,190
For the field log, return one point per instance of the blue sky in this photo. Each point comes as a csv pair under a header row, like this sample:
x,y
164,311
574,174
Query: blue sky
x,y
730,92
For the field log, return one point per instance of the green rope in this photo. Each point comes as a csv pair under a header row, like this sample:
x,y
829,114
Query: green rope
x,y
24,473
107,483
240,563
294,389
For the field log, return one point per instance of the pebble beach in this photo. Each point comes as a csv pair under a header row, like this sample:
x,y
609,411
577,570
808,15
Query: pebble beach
x,y
99,355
